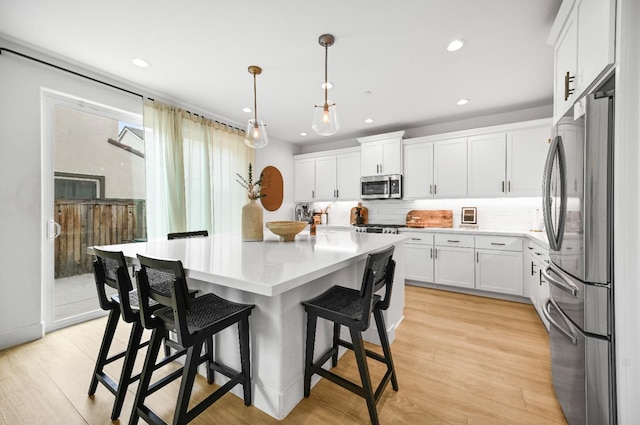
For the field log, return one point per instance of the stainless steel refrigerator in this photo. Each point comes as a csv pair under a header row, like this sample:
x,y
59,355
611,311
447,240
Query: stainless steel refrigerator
x,y
577,207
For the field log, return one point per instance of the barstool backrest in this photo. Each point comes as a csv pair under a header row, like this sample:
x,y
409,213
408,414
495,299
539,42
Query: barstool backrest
x,y
110,268
378,274
193,234
163,281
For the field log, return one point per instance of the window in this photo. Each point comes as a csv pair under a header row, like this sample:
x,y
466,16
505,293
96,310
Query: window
x,y
78,186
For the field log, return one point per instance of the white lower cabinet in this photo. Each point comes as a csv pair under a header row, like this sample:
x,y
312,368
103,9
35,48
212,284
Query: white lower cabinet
x,y
418,251
536,286
485,263
453,257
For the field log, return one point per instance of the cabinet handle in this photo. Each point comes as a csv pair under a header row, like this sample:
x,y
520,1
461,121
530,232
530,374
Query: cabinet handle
x,y
416,239
431,254
567,91
477,257
435,189
449,240
540,276
497,243
430,189
313,194
435,253
532,271
502,186
337,193
509,186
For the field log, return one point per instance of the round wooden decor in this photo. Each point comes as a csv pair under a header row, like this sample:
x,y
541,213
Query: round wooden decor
x,y
272,188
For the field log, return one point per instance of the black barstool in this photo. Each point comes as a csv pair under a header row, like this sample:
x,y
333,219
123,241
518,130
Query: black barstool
x,y
194,321
110,271
184,235
353,308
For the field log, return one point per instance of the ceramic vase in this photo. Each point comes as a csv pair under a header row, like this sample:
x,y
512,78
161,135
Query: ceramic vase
x,y
252,221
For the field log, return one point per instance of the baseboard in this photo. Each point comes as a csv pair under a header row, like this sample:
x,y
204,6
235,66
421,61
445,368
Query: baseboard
x,y
22,335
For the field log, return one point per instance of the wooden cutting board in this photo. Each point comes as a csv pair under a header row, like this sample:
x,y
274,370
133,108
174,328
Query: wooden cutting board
x,y
364,212
430,218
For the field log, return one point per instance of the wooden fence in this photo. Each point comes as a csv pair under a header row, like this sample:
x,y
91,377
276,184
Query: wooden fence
x,y
94,222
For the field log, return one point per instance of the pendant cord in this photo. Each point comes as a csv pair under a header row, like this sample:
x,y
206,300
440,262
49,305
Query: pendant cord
x,y
326,77
255,101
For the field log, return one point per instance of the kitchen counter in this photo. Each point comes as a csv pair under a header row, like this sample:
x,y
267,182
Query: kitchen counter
x,y
538,237
277,276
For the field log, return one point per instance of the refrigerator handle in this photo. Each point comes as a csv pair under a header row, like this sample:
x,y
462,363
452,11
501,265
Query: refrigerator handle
x,y
546,313
556,149
564,285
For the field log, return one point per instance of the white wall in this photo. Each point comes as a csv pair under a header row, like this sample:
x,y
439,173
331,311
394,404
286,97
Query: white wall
x,y
22,225
279,154
626,205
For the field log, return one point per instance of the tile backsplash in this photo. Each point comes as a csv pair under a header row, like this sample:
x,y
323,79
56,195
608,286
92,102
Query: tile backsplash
x,y
493,213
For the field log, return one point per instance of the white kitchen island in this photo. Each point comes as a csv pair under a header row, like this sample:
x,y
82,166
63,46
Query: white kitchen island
x,y
276,276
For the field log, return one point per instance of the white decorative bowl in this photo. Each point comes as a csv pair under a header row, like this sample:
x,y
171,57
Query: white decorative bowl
x,y
287,230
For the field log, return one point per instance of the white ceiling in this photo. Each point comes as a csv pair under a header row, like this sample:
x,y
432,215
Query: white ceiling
x,y
200,50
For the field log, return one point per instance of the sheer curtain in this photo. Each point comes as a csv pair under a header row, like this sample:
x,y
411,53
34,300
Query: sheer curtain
x,y
191,166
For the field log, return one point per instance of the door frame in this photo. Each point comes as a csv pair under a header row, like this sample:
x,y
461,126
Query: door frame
x,y
49,100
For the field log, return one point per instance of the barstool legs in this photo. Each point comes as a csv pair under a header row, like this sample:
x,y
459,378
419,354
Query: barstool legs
x,y
127,369
145,378
107,339
243,333
310,345
386,349
363,368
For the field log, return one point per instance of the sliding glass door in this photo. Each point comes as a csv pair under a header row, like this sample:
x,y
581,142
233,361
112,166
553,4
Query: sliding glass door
x,y
94,182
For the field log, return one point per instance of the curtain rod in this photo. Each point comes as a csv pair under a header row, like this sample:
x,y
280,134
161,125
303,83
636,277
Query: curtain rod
x,y
95,80
4,49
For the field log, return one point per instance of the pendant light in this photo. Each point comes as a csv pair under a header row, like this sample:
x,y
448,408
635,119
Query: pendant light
x,y
256,134
325,120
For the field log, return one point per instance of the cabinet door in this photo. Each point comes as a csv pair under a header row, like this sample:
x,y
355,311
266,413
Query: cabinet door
x,y
418,171
348,176
454,266
304,172
325,177
370,161
566,52
526,154
499,271
487,156
418,262
391,156
450,168
596,34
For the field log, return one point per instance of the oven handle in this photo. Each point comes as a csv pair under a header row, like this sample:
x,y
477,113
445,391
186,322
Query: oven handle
x,y
564,285
546,313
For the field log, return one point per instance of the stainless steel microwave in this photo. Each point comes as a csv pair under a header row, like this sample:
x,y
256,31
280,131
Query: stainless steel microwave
x,y
381,187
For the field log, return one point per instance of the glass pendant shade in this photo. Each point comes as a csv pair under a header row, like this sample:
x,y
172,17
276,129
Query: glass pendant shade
x,y
325,120
256,136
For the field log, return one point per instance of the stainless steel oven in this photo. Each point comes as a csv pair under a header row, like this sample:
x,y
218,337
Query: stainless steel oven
x,y
381,187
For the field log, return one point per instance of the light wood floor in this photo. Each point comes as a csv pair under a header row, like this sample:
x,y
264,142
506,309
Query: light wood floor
x,y
460,359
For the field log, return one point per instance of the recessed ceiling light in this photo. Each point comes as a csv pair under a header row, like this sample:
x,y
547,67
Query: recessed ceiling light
x,y
303,134
368,93
462,102
247,110
329,85
455,45
368,120
140,62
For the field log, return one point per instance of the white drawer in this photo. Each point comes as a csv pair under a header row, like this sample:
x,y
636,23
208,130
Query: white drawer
x,y
503,243
416,238
452,239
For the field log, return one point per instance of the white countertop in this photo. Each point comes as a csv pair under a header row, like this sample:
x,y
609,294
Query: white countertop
x,y
538,237
270,267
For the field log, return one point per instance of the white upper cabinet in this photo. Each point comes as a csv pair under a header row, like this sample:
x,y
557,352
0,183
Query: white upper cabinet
x,y
508,163
435,169
450,168
304,179
327,176
583,37
526,155
418,171
348,183
487,164
381,154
